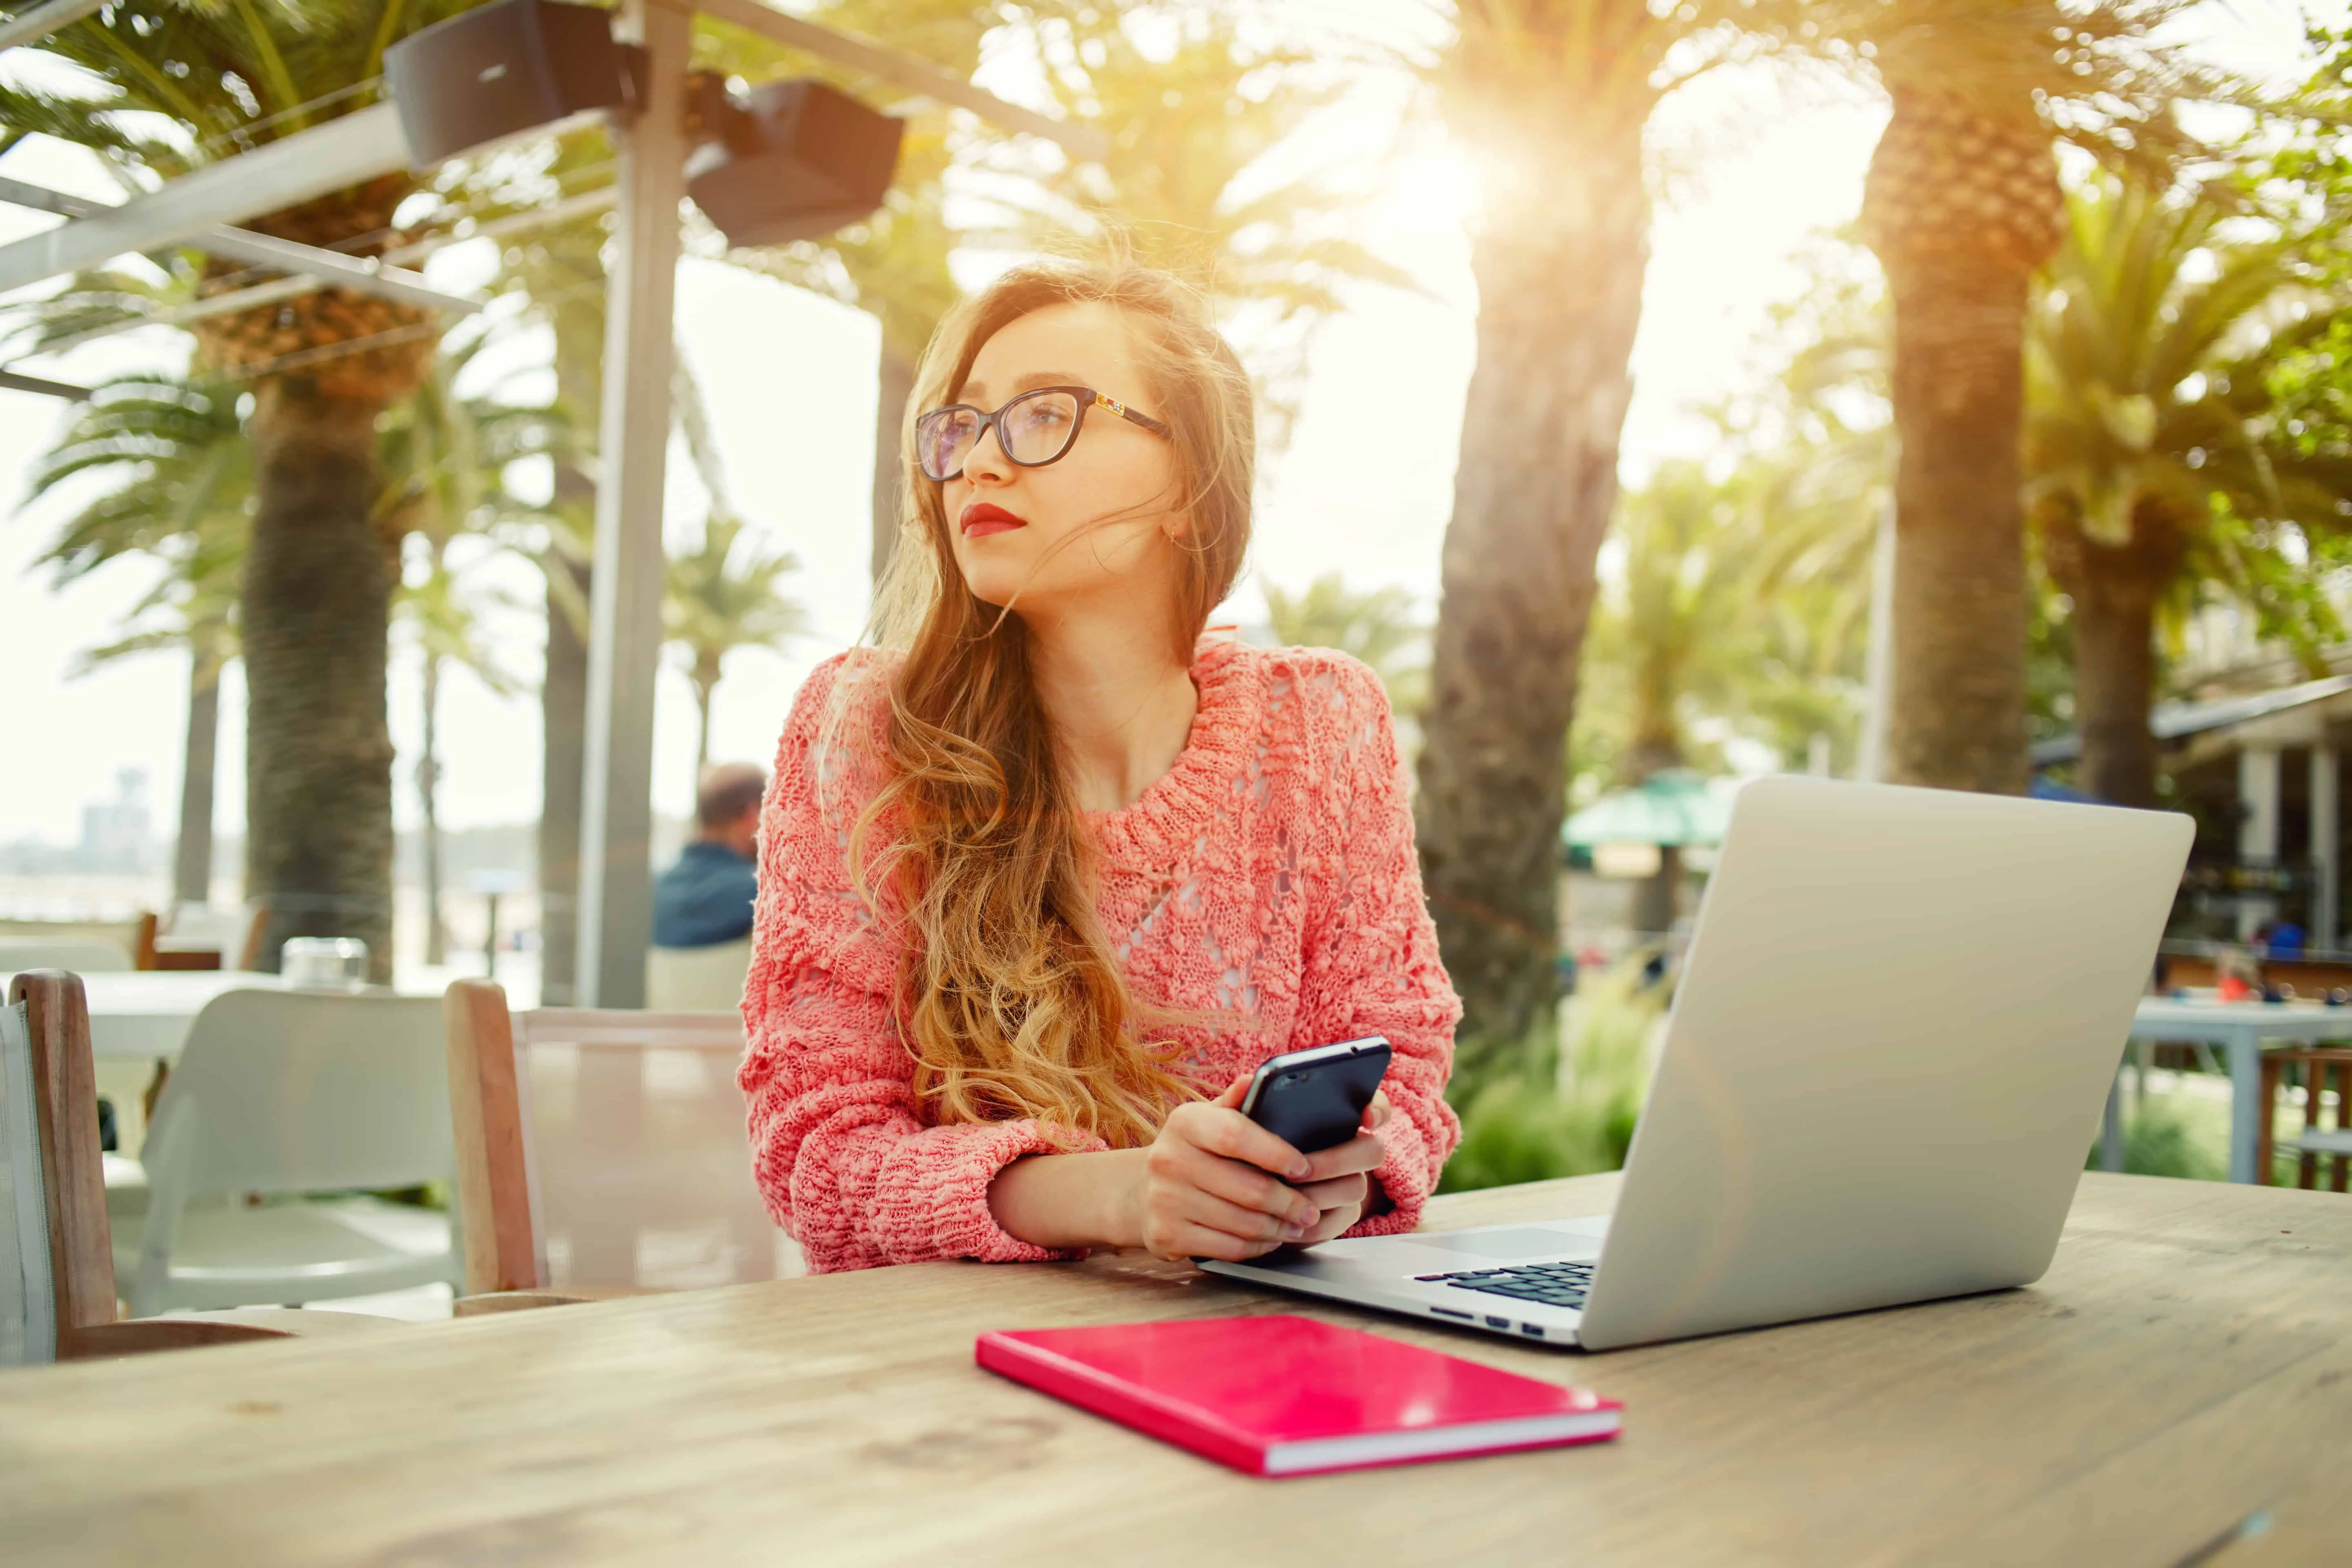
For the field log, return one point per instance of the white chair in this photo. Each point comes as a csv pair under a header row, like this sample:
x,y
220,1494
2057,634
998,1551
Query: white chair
x,y
697,979
601,1152
279,1094
57,1275
28,1321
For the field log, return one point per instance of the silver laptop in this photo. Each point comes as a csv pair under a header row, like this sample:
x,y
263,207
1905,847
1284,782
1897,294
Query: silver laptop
x,y
1887,1059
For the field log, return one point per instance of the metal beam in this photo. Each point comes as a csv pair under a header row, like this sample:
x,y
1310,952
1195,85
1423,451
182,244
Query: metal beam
x,y
271,293
615,903
364,274
932,81
31,27
344,152
11,382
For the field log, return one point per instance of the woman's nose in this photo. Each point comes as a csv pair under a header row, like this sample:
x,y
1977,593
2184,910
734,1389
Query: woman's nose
x,y
987,459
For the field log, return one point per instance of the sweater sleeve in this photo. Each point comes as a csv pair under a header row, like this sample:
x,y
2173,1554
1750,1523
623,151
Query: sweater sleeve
x,y
839,1148
1372,962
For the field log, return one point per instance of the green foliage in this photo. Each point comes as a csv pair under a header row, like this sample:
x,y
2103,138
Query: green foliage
x,y
182,489
1377,628
1194,101
2184,402
726,592
1536,1124
2166,1138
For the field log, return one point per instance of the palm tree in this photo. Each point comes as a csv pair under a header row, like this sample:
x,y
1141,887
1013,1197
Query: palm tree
x,y
1550,99
1962,205
2157,458
722,596
186,496
446,456
318,581
1192,104
894,263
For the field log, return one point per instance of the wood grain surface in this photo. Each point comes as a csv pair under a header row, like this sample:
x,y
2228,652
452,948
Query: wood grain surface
x,y
2176,1390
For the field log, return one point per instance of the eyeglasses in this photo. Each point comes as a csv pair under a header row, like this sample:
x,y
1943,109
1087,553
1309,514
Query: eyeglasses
x,y
1034,429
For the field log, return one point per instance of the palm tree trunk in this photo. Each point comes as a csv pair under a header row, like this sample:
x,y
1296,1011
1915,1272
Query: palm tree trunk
x,y
428,791
192,861
1655,901
563,694
2115,681
1962,203
1957,710
563,735
316,613
2114,589
1560,288
894,385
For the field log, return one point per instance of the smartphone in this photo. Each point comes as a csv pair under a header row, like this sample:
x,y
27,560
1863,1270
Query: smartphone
x,y
1314,1099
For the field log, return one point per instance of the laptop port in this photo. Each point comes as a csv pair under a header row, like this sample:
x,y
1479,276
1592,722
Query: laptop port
x,y
1450,1312
1498,1322
1533,1331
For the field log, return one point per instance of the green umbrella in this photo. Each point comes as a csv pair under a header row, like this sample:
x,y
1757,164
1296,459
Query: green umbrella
x,y
1672,806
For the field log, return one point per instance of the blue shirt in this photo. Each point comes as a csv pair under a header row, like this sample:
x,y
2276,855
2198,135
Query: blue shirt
x,y
706,898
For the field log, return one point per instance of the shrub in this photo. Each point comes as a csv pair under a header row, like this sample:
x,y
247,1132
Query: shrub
x,y
1533,1126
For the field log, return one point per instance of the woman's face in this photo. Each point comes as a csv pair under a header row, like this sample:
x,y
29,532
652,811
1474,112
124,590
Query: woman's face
x,y
1096,527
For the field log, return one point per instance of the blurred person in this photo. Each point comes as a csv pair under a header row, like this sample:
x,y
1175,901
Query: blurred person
x,y
702,904
1048,873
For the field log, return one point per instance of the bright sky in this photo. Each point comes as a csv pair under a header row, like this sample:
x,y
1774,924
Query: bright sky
x,y
1365,487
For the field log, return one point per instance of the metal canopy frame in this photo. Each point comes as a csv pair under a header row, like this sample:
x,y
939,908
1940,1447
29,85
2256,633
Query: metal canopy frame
x,y
344,152
367,275
42,20
625,613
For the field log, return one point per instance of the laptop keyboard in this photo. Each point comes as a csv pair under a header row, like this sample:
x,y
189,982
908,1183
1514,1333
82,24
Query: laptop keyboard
x,y
1553,1284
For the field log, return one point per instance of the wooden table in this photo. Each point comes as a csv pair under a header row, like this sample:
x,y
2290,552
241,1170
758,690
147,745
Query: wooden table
x,y
2185,1365
2243,1029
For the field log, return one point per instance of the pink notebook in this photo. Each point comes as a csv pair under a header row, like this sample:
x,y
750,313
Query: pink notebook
x,y
1292,1396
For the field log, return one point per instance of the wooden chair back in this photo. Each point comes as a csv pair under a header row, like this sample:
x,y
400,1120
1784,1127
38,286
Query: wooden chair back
x,y
48,1099
603,1151
2318,1141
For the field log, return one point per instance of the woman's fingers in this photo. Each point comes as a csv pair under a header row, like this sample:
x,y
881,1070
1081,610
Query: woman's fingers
x,y
1200,1241
1333,1223
1338,1193
1225,1131
1210,1212
1362,1153
1245,1186
1376,1114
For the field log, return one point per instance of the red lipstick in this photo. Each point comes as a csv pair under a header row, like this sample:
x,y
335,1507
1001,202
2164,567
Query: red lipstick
x,y
986,516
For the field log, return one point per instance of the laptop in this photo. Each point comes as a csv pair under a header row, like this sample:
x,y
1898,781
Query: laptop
x,y
1887,1054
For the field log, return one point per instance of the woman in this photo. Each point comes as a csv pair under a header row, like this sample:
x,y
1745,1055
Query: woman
x,y
1042,887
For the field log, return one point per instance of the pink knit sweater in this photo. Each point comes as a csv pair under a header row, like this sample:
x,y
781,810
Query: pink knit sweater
x,y
1270,872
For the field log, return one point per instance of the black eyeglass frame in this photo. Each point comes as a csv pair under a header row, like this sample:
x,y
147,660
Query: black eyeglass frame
x,y
1088,398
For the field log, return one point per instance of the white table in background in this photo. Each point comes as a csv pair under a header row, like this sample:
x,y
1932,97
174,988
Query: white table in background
x,y
2242,1028
146,1014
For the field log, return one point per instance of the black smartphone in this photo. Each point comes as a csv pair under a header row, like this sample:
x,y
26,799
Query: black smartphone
x,y
1314,1099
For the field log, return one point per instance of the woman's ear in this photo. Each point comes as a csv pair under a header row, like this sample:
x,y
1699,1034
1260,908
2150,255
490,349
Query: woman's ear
x,y
1177,526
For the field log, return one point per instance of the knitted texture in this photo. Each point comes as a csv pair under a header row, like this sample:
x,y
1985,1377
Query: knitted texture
x,y
1268,875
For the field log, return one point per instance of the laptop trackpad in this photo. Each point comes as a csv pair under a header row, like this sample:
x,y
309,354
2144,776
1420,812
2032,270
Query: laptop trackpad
x,y
1516,1241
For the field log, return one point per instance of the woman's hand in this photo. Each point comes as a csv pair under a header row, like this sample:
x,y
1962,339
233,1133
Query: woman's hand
x,y
1342,1197
1216,1184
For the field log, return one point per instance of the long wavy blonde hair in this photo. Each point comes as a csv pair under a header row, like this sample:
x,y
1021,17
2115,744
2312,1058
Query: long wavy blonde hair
x,y
1010,994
